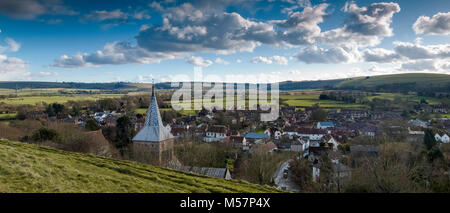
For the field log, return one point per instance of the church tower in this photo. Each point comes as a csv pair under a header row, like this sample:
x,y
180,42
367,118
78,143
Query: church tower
x,y
154,142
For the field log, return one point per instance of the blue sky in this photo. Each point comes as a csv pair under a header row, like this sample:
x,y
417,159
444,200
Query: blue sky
x,y
240,41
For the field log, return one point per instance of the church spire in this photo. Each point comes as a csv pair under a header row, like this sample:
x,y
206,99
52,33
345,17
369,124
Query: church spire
x,y
153,87
153,130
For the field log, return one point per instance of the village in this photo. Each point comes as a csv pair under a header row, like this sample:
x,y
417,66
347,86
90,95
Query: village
x,y
231,144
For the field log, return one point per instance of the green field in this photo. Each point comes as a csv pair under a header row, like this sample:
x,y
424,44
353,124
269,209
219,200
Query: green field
x,y
415,98
32,168
32,100
308,100
7,116
421,79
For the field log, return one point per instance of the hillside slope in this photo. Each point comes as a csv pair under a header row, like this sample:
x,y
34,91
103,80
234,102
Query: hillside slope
x,y
393,83
32,168
408,81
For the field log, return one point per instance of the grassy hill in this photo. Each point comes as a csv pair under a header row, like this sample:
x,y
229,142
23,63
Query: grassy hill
x,y
390,83
393,83
409,81
32,168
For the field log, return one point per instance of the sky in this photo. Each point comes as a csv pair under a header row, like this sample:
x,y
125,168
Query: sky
x,y
229,40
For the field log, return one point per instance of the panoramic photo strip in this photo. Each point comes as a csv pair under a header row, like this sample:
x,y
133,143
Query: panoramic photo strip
x,y
218,105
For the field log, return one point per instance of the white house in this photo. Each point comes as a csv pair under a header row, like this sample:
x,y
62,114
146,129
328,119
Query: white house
x,y
300,145
215,133
437,137
277,134
324,125
267,132
444,138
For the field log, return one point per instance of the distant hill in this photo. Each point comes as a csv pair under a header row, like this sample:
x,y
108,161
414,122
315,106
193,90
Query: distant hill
x,y
67,85
418,82
399,83
31,168
302,85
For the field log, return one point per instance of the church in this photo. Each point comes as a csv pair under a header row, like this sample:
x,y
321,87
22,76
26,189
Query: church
x,y
154,142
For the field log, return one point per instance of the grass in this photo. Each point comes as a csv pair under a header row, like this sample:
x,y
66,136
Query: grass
x,y
32,100
308,100
7,116
32,168
415,98
422,79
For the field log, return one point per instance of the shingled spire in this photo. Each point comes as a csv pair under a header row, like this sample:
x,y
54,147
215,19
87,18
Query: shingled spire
x,y
153,130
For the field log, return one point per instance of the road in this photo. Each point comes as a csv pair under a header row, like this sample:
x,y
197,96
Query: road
x,y
285,183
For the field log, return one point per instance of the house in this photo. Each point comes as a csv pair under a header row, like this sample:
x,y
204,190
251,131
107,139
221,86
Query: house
x,y
277,134
415,136
215,133
419,123
324,125
238,141
268,132
444,138
368,131
201,129
328,139
300,145
253,137
312,134
352,114
437,137
178,131
208,171
213,172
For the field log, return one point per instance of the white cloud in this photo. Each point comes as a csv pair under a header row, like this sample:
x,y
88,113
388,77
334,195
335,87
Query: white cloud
x,y
302,27
186,29
13,69
380,55
190,28
365,26
112,53
335,54
439,24
101,15
11,45
145,78
418,51
221,61
270,60
140,15
199,61
44,74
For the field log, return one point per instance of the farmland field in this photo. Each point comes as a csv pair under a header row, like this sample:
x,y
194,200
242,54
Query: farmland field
x,y
32,100
7,116
309,98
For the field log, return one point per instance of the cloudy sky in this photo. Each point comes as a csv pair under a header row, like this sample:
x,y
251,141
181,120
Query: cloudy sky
x,y
235,40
